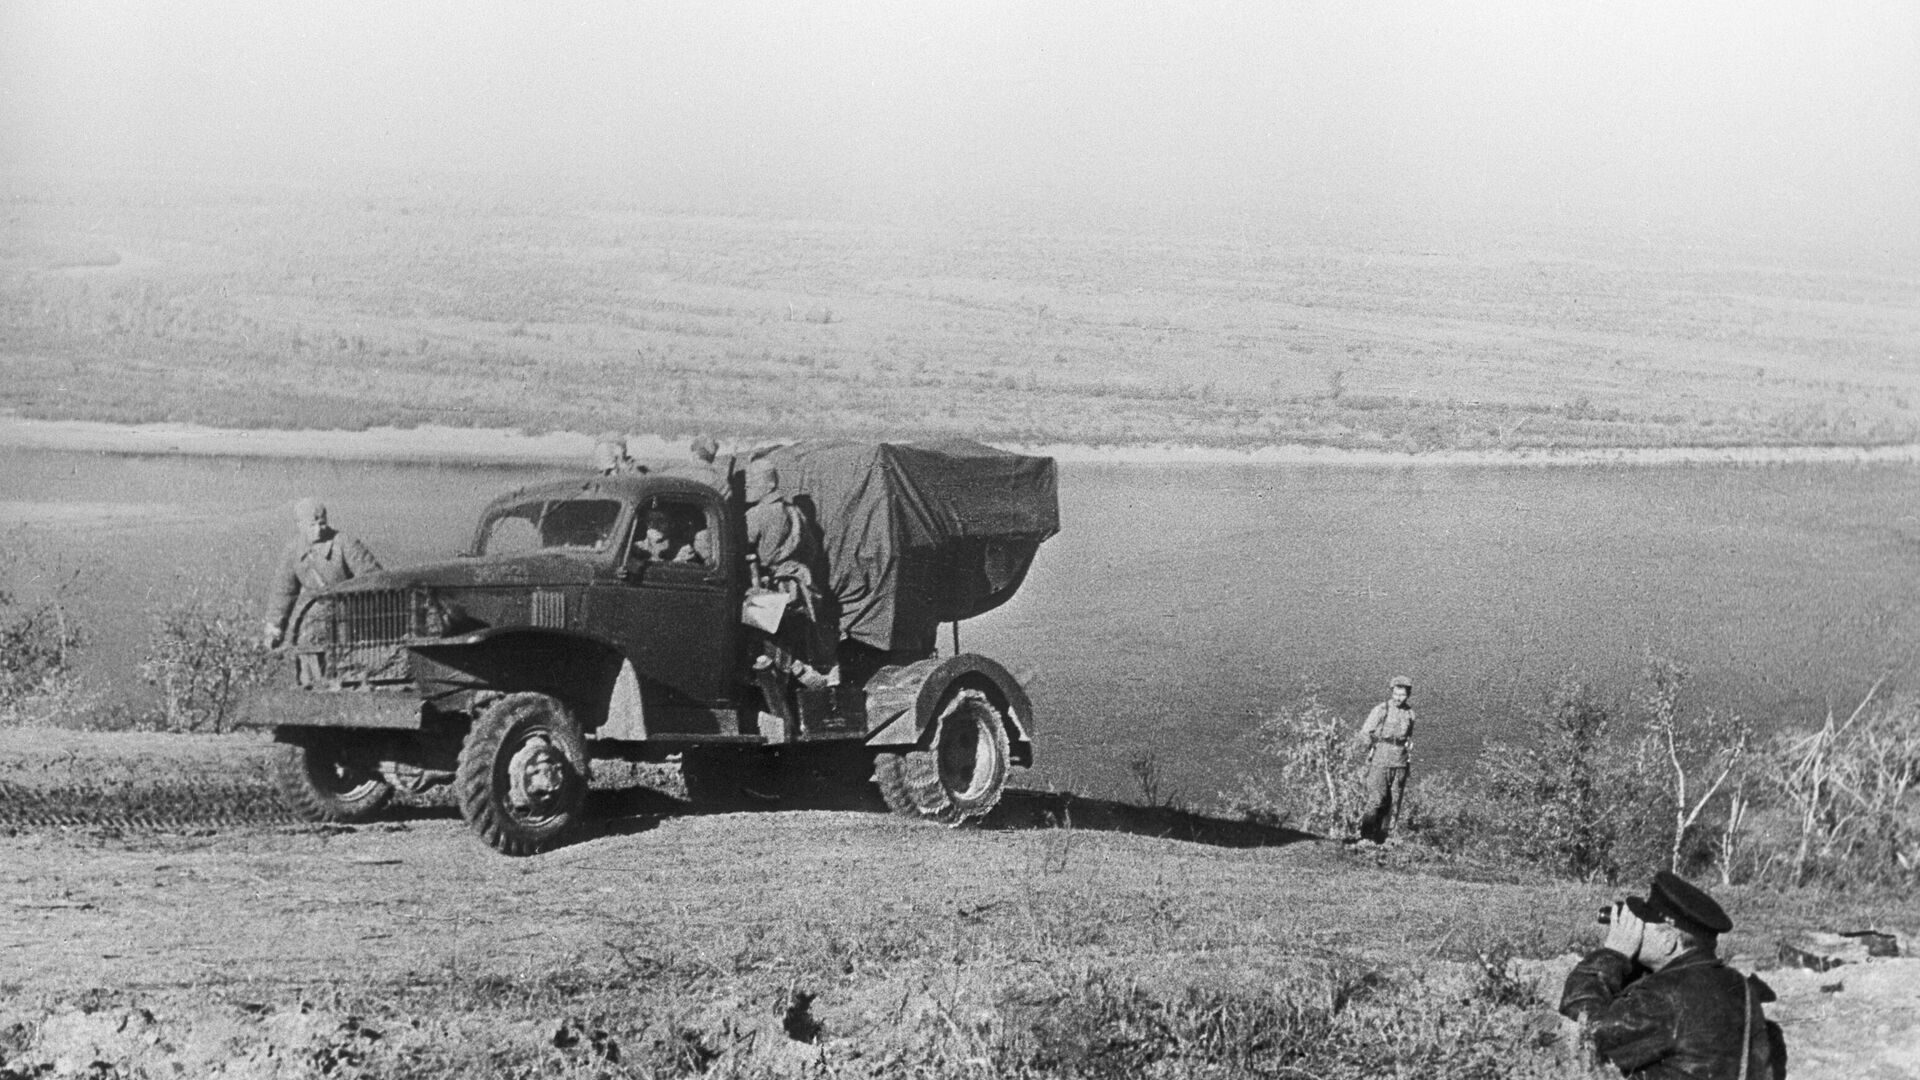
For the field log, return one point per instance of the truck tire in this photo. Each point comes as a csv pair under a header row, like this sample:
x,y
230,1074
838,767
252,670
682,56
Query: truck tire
x,y
961,772
320,781
522,775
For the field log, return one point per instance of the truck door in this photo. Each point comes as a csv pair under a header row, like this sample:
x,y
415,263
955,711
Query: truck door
x,y
672,607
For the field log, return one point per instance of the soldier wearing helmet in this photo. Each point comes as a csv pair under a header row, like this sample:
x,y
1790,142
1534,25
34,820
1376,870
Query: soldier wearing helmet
x,y
780,551
723,470
704,448
776,529
610,455
1388,734
318,558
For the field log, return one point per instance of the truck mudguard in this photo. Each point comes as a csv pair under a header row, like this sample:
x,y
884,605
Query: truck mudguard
x,y
903,702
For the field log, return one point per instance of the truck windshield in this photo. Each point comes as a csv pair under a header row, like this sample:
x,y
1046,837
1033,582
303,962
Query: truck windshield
x,y
550,523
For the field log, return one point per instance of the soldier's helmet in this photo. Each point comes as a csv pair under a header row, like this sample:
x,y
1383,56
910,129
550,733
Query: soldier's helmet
x,y
705,448
762,479
309,510
609,451
1400,681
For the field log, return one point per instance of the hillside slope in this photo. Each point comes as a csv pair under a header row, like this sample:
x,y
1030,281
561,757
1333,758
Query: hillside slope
x,y
1062,938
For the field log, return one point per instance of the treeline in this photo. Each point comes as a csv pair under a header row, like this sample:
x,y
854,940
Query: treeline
x,y
1612,790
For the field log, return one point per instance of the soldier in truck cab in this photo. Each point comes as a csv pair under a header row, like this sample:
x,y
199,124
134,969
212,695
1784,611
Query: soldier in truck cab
x,y
667,536
318,559
654,544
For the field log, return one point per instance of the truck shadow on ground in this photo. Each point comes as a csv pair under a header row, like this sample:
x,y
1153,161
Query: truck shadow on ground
x,y
629,811
1064,810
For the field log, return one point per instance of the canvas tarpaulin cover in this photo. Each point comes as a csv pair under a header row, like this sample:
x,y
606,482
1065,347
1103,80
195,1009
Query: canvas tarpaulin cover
x,y
914,535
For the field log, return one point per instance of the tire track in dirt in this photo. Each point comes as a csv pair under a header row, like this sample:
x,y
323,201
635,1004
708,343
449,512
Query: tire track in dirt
x,y
161,807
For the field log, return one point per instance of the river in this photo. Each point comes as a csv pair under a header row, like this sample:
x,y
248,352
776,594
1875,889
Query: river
x,y
1182,604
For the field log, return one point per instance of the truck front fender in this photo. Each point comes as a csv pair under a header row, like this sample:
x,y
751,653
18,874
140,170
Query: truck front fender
x,y
578,669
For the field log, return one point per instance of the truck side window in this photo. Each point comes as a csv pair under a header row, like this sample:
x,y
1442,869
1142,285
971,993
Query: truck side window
x,y
673,531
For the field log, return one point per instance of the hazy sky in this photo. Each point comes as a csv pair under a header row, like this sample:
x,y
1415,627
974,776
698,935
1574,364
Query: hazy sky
x,y
1798,110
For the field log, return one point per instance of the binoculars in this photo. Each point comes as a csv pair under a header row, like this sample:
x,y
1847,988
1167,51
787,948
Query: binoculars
x,y
1639,905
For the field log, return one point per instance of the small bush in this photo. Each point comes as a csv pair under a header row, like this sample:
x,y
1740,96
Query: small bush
x,y
1559,802
37,638
1320,782
1447,816
201,656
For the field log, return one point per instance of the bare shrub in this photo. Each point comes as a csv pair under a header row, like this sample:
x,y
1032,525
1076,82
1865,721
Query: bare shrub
x,y
1690,790
1699,752
1149,779
201,655
38,639
1847,786
1320,782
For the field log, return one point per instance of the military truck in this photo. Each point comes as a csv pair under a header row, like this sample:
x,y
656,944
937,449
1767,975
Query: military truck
x,y
566,635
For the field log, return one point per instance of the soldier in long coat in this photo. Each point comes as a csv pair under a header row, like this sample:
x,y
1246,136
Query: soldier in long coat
x,y
319,558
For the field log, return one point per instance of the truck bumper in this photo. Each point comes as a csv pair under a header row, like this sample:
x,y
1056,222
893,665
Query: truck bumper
x,y
334,709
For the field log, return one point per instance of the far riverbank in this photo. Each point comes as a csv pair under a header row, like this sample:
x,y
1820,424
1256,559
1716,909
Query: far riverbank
x,y
497,446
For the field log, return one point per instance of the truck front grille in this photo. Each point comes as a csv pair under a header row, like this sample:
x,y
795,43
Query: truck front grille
x,y
549,609
355,637
380,618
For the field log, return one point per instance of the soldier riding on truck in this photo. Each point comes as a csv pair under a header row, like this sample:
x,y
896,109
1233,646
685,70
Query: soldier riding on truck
x,y
607,617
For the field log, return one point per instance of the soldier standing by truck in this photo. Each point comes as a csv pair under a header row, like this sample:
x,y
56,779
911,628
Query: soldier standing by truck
x,y
1388,732
318,559
780,551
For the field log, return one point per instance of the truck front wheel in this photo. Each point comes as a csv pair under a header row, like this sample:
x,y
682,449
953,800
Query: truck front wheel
x,y
523,773
960,773
323,781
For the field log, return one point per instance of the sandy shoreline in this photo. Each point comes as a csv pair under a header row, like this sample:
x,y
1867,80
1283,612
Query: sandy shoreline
x,y
502,447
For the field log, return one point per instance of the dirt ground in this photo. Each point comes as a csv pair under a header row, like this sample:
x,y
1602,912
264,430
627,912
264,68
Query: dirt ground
x,y
258,949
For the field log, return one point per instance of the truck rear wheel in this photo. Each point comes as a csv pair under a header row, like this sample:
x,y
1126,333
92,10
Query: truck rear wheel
x,y
523,773
321,780
962,771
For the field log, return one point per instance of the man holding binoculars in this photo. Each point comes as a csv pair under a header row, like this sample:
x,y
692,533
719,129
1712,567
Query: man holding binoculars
x,y
1659,1003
